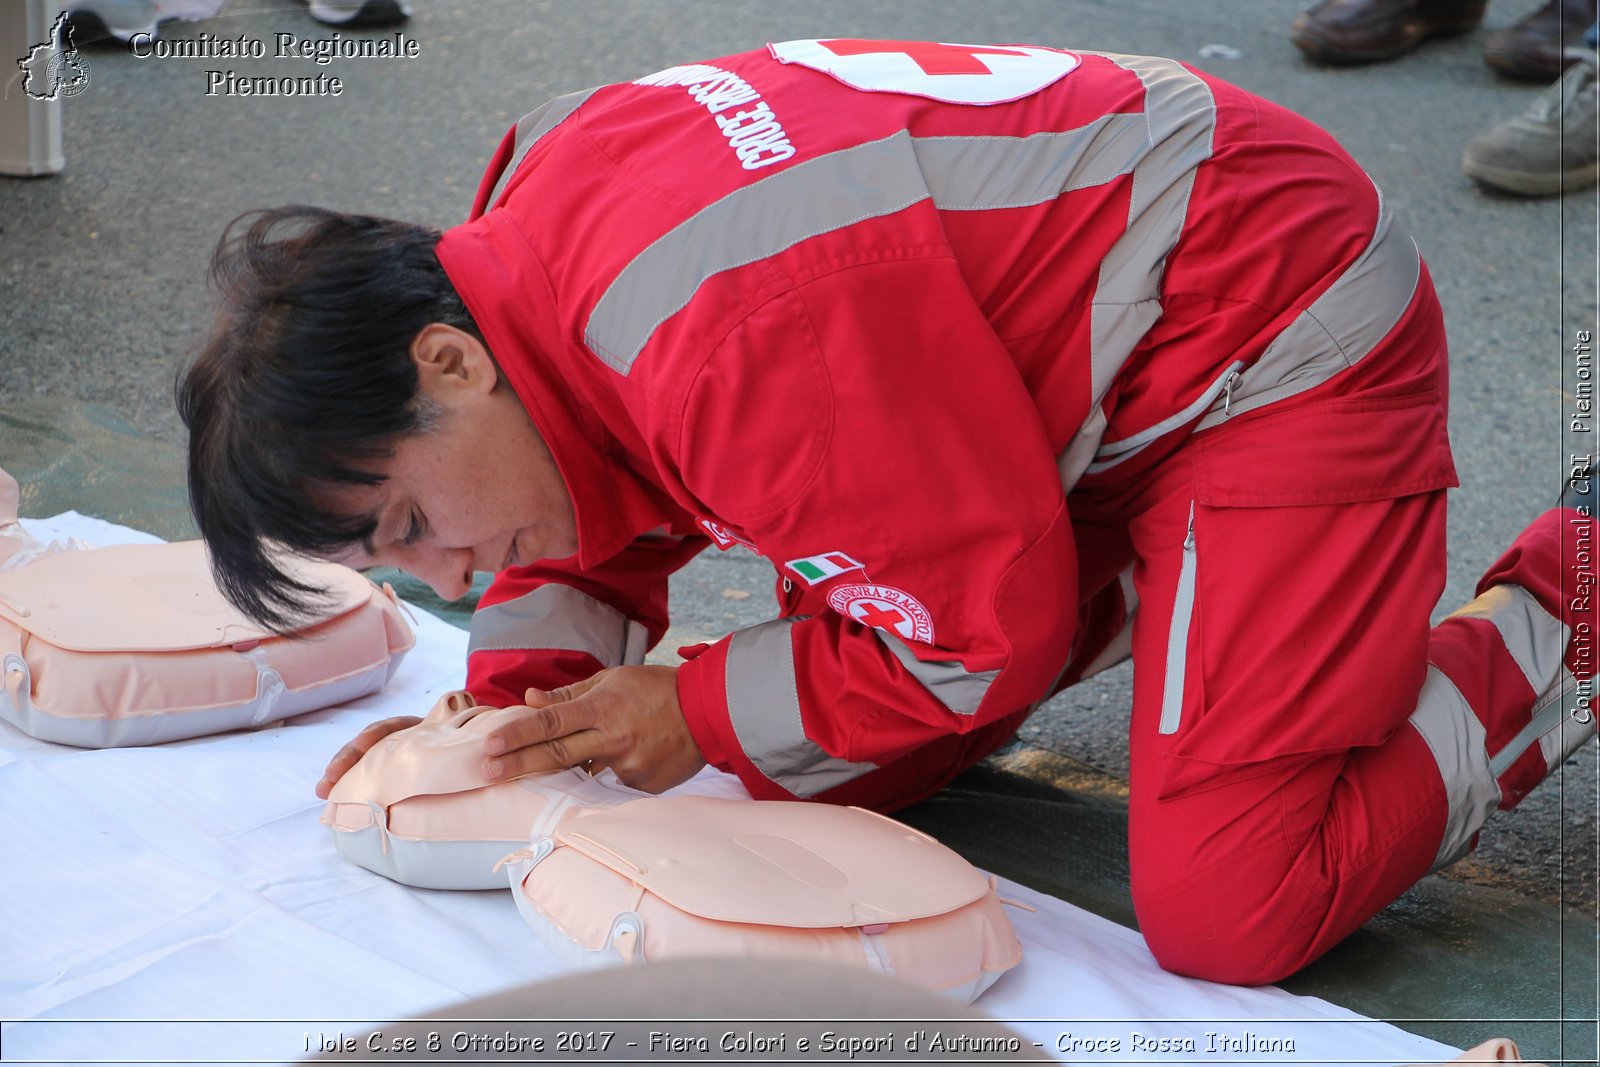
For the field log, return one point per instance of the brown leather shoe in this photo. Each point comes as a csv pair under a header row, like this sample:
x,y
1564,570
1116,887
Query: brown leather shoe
x,y
1531,50
1365,31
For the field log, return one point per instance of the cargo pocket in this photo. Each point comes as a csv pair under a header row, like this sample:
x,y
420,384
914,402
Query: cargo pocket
x,y
1301,607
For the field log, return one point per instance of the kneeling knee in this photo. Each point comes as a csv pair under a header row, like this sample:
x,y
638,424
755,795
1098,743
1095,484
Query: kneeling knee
x,y
1219,941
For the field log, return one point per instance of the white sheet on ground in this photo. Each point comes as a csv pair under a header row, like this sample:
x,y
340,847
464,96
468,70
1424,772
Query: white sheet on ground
x,y
192,881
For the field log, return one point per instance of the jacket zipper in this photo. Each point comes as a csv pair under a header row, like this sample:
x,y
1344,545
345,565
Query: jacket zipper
x,y
1178,636
1113,453
1228,385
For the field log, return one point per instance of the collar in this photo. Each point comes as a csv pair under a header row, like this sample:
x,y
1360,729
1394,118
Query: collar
x,y
505,287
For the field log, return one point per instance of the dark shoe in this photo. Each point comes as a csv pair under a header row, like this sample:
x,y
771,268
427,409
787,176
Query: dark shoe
x,y
1365,31
1550,148
362,14
1535,49
111,21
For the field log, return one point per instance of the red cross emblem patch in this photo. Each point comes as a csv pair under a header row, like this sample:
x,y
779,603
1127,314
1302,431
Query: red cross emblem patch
x,y
725,536
883,607
953,73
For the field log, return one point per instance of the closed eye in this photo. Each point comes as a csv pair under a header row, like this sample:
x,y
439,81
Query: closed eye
x,y
415,531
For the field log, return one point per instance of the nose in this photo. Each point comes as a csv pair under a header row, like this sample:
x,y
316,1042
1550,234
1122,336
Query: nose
x,y
448,571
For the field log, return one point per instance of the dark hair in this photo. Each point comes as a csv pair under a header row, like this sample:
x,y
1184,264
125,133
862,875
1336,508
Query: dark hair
x,y
304,384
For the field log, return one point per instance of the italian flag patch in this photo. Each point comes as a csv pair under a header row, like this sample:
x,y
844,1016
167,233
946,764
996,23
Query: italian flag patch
x,y
816,569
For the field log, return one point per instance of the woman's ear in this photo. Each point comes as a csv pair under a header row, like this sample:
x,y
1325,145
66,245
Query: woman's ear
x,y
447,356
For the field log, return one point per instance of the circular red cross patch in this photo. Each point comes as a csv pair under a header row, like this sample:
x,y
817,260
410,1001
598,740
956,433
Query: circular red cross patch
x,y
883,607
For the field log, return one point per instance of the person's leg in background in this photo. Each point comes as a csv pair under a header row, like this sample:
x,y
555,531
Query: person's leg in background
x,y
121,20
1552,147
1537,48
1370,31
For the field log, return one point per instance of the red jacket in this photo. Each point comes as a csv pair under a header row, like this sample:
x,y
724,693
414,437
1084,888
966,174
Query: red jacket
x,y
877,337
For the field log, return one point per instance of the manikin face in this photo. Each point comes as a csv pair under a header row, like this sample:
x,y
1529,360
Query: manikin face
x,y
478,492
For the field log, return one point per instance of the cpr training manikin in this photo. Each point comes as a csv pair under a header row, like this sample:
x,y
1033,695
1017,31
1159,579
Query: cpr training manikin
x,y
605,874
135,645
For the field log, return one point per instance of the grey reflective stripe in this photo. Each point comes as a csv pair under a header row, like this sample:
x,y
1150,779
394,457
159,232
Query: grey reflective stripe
x,y
749,224
1130,594
1079,453
983,173
532,126
882,177
1573,704
1340,327
1181,117
1545,727
1120,648
1178,637
1559,722
1128,447
764,708
1456,738
1535,639
558,618
956,688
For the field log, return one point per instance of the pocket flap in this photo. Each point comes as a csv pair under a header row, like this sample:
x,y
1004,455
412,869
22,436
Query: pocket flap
x,y
1339,451
148,598
777,863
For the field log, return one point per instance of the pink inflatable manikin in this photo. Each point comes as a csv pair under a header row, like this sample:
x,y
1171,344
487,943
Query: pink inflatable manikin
x,y
604,874
134,644
13,538
415,809
17,547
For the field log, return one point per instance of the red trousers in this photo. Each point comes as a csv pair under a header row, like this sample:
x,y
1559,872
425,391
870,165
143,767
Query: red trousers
x,y
1304,745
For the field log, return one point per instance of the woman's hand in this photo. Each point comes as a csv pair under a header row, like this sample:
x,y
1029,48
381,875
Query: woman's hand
x,y
624,718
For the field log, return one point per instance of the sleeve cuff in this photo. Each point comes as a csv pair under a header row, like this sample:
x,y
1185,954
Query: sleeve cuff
x,y
703,698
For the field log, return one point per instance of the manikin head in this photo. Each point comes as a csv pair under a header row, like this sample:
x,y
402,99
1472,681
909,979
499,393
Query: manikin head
x,y
345,406
442,754
416,809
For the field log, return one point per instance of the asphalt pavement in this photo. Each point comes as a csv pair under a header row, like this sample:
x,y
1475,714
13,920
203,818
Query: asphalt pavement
x,y
102,268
